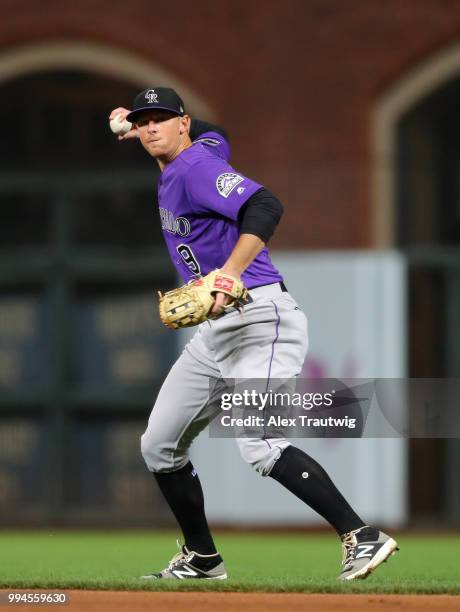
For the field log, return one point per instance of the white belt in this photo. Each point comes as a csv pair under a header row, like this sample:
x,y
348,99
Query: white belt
x,y
266,291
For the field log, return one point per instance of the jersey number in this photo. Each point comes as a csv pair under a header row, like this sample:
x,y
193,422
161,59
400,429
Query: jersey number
x,y
189,258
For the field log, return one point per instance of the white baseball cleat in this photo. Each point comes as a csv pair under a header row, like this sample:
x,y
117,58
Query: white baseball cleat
x,y
187,564
364,550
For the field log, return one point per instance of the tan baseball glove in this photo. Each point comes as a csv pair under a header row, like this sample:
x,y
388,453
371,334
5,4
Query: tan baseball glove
x,y
191,304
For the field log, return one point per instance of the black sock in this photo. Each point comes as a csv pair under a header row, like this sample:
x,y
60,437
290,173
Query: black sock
x,y
183,492
304,477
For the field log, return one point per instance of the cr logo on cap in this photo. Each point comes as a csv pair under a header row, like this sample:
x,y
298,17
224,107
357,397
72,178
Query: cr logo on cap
x,y
151,96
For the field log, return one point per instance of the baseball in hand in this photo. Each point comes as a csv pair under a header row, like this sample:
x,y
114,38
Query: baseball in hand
x,y
120,126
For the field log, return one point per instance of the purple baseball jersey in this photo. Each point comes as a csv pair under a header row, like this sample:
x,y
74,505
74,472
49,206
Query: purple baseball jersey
x,y
199,196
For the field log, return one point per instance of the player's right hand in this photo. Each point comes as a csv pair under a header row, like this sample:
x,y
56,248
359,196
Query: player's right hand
x,y
133,133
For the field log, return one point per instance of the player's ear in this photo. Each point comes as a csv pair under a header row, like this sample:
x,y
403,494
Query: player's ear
x,y
184,124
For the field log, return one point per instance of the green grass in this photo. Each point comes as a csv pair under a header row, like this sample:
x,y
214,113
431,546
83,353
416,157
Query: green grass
x,y
262,562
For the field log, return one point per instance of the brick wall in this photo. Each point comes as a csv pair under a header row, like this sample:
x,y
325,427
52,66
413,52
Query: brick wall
x,y
294,82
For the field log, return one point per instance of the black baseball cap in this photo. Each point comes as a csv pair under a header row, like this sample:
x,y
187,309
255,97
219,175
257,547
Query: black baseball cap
x,y
162,98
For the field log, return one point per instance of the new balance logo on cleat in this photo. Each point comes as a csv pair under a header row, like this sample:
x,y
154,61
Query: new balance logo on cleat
x,y
186,572
364,550
186,565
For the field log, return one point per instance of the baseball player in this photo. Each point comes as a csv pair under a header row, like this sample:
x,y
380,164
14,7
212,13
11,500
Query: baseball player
x,y
214,217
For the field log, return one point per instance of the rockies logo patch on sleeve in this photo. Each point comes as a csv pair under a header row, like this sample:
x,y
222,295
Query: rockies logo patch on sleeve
x,y
227,182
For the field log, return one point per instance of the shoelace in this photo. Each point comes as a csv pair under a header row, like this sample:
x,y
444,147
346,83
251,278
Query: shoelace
x,y
348,545
178,557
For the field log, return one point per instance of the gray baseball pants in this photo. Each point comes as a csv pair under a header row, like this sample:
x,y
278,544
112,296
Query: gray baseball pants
x,y
266,340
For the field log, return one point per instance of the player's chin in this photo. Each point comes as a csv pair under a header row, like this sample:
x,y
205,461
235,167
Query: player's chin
x,y
154,148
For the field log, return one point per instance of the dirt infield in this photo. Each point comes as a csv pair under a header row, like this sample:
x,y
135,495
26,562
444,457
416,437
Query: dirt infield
x,y
128,601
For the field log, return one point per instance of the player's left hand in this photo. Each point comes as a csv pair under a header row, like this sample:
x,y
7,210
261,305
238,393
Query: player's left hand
x,y
201,299
222,300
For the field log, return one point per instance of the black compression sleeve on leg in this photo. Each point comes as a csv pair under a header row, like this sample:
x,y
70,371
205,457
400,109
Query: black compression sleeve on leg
x,y
304,477
182,490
